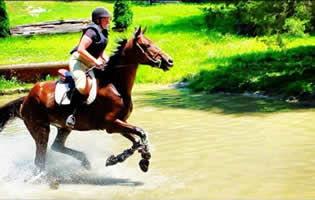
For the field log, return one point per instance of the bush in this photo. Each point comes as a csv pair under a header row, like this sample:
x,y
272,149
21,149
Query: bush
x,y
122,14
4,20
220,17
252,17
295,27
267,16
299,87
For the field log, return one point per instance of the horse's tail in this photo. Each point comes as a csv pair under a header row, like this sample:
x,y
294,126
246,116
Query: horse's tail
x,y
10,111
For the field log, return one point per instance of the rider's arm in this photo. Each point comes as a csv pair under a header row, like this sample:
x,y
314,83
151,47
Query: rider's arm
x,y
104,57
84,44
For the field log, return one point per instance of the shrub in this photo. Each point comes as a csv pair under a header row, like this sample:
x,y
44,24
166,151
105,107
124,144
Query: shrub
x,y
4,20
299,87
295,27
220,17
122,14
252,17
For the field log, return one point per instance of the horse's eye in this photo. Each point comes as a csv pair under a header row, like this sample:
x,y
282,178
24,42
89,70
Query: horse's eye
x,y
145,47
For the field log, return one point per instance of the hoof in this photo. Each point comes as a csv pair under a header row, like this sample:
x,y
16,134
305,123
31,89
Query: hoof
x,y
37,171
38,177
112,160
146,155
86,164
144,165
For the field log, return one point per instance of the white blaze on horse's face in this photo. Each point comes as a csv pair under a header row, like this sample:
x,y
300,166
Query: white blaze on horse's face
x,y
153,55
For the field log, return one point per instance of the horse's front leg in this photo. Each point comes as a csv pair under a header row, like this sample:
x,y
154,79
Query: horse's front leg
x,y
128,131
112,160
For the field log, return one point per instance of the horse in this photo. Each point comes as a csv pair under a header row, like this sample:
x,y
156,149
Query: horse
x,y
110,110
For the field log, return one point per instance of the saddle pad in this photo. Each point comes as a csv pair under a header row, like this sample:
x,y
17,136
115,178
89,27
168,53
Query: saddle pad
x,y
61,97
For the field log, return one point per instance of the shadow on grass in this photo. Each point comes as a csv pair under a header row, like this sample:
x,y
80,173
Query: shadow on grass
x,y
293,54
185,24
217,103
193,24
287,73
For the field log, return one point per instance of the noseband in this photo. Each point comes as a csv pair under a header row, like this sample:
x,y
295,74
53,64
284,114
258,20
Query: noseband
x,y
149,56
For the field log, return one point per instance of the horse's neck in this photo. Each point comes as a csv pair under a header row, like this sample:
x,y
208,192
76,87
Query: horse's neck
x,y
123,78
124,73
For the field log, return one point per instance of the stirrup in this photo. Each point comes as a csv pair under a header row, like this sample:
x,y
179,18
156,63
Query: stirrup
x,y
70,122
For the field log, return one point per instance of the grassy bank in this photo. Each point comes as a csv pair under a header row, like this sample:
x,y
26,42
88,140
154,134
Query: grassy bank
x,y
179,29
287,72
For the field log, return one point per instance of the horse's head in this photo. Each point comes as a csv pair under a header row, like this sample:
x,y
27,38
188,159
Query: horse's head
x,y
149,52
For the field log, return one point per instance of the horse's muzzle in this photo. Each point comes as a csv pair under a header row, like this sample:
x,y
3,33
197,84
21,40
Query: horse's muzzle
x,y
166,64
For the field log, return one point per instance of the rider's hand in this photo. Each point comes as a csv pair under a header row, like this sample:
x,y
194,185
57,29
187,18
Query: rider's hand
x,y
99,63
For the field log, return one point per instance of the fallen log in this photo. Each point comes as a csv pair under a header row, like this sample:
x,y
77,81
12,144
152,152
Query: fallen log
x,y
45,65
50,27
32,72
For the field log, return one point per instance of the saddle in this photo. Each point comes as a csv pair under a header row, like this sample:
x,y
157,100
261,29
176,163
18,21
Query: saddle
x,y
65,85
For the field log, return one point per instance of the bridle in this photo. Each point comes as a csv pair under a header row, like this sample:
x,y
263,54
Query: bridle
x,y
149,56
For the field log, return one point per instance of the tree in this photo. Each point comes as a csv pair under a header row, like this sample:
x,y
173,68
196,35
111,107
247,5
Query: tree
x,y
122,14
4,20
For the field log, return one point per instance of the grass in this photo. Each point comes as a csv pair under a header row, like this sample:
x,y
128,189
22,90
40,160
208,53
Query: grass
x,y
13,83
288,72
56,47
179,29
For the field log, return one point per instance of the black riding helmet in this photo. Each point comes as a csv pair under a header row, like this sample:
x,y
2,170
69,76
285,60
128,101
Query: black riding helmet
x,y
98,13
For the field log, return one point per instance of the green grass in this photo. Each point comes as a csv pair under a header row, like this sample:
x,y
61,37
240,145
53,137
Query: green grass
x,y
4,84
287,72
179,29
24,12
165,27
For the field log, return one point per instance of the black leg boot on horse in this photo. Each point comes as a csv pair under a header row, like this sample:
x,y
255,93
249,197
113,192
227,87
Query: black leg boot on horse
x,y
77,101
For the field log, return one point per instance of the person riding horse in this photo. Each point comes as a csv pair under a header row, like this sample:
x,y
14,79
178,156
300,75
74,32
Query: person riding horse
x,y
109,111
90,52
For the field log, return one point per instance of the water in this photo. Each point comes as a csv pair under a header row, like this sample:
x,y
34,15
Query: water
x,y
203,147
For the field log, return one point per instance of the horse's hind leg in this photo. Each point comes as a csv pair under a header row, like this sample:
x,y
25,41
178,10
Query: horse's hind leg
x,y
59,146
40,133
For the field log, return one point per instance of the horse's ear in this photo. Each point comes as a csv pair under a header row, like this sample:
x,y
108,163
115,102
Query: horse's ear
x,y
137,32
144,29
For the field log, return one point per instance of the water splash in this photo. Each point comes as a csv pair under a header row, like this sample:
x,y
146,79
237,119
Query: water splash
x,y
17,151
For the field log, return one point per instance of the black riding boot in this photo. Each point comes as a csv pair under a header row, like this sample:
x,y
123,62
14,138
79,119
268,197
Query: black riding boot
x,y
76,101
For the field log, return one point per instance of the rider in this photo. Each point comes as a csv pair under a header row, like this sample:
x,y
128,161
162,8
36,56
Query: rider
x,y
90,52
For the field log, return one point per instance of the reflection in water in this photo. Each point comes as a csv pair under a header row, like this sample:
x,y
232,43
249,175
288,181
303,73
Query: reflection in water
x,y
203,147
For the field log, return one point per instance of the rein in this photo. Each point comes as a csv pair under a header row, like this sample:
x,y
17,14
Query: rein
x,y
147,54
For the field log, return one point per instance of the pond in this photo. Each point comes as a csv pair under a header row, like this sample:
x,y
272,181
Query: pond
x,y
204,146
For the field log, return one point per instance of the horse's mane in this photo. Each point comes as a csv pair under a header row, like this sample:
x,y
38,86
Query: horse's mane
x,y
113,60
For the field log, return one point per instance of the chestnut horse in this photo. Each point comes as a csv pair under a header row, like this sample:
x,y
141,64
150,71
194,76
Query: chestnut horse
x,y
109,111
